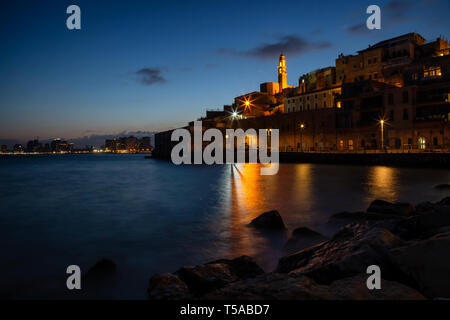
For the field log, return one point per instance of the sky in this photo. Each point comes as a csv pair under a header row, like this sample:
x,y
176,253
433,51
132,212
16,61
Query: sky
x,y
146,66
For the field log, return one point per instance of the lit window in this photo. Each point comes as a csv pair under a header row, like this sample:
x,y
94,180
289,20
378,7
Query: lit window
x,y
422,143
350,144
432,72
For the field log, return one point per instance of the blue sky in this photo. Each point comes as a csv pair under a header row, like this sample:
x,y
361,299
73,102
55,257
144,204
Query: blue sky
x,y
154,65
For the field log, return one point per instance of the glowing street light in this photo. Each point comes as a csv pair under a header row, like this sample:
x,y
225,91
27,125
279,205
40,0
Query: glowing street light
x,y
382,133
302,126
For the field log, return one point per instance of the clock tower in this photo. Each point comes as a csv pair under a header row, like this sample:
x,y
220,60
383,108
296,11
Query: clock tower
x,y
282,75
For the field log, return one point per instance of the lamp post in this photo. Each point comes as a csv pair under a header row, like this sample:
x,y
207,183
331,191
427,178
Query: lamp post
x,y
302,126
382,134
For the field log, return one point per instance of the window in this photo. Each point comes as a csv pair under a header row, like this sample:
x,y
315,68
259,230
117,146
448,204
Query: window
x,y
422,143
325,104
390,99
375,75
432,72
405,96
374,60
391,115
435,141
350,145
369,61
341,144
405,114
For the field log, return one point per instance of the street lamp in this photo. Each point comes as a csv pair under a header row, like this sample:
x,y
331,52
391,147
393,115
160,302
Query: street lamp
x,y
382,133
302,126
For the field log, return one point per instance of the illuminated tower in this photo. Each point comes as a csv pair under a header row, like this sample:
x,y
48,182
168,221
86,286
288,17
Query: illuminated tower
x,y
282,75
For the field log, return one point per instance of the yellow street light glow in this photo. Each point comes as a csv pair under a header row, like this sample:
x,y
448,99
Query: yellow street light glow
x,y
302,126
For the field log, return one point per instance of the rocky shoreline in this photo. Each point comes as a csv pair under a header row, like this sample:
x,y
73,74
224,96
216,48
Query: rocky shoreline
x,y
410,244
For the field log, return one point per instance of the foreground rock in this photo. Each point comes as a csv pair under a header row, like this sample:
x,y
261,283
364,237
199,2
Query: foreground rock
x,y
349,253
302,238
195,281
355,288
385,207
167,286
243,267
428,263
270,220
277,286
431,219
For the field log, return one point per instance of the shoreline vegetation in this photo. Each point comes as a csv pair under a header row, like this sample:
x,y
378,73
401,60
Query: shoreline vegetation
x,y
409,243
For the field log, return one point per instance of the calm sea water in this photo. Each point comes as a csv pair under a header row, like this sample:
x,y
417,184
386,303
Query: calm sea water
x,y
150,216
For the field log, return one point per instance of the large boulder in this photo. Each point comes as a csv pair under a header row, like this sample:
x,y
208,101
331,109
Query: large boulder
x,y
167,286
355,288
364,216
269,220
424,225
207,277
302,238
272,286
277,286
428,263
242,267
444,202
349,253
385,207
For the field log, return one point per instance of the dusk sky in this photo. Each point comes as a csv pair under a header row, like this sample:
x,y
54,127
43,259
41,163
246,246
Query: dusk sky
x,y
155,65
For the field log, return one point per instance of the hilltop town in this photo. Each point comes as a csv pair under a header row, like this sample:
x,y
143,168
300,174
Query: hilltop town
x,y
393,96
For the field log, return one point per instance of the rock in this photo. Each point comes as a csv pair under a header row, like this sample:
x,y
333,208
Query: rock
x,y
363,216
104,267
272,286
303,238
428,263
276,286
444,202
355,288
167,286
424,208
344,256
269,220
243,267
204,278
385,207
424,225
443,186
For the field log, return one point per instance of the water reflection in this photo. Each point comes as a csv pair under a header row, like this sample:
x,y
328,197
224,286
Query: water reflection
x,y
382,183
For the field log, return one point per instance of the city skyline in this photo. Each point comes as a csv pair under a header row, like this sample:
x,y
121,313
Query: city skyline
x,y
145,72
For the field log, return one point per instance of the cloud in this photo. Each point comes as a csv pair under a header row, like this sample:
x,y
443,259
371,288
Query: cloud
x,y
150,76
398,10
289,44
359,28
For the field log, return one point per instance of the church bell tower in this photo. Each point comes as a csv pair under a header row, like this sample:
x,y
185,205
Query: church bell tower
x,y
282,75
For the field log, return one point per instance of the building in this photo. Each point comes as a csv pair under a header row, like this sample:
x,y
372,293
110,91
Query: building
x,y
129,144
394,95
